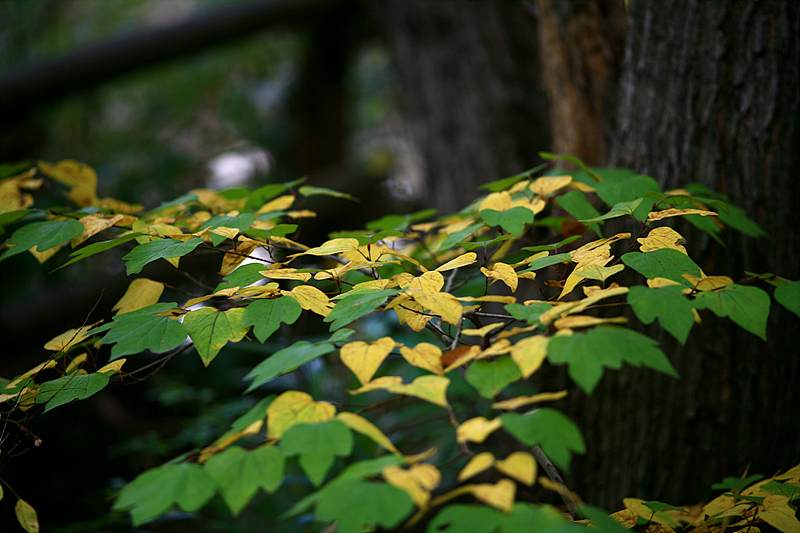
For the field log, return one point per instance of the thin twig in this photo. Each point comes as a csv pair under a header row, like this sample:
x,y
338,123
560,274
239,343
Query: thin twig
x,y
555,477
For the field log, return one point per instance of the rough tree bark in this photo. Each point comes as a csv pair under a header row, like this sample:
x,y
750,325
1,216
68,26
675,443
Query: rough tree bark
x,y
469,77
708,94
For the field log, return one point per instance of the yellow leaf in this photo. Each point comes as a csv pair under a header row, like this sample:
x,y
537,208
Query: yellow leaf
x,y
476,465
68,339
709,283
597,257
662,237
381,383
578,255
535,204
285,273
530,353
334,246
364,359
310,298
503,272
303,213
141,293
521,401
403,279
428,283
459,356
500,495
237,256
228,233
488,298
224,292
599,273
547,185
626,518
295,407
47,254
498,201
477,429
113,366
26,515
638,506
207,452
516,331
460,261
481,332
365,427
585,321
76,361
280,203
270,290
666,213
417,481
428,388
777,513
82,178
443,304
500,347
660,282
424,355
519,465
92,225
414,315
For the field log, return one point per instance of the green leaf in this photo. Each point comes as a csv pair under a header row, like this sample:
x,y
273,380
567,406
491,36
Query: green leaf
x,y
73,387
512,220
553,247
542,262
97,247
461,518
667,304
737,483
657,507
748,307
738,220
619,210
663,263
527,313
11,217
154,492
267,314
788,295
316,460
605,346
42,235
285,361
681,199
243,276
355,305
556,434
490,377
576,204
310,190
533,518
148,252
211,329
239,473
547,156
458,236
262,194
620,185
483,244
281,230
139,330
240,222
358,504
180,200
781,489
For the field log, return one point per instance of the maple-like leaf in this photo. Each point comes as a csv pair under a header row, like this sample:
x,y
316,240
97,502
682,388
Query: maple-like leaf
x,y
210,329
141,330
76,386
267,315
165,248
557,435
239,473
41,236
746,306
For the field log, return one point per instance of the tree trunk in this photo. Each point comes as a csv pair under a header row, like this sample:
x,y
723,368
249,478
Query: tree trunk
x,y
470,83
708,94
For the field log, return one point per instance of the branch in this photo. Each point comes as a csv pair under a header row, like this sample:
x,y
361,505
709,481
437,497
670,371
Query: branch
x,y
555,477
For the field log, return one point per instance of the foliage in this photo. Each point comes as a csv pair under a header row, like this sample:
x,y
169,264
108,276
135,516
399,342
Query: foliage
x,y
439,320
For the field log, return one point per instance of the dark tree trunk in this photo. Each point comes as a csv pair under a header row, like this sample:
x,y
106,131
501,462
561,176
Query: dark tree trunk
x,y
469,75
709,94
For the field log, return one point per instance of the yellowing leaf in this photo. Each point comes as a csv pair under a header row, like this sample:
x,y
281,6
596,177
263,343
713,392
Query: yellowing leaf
x,y
295,407
498,201
93,224
26,515
708,283
236,257
428,283
578,255
424,355
500,495
460,261
597,257
443,304
310,298
429,388
498,348
521,401
476,465
477,429
666,213
503,272
364,359
660,282
280,203
82,178
459,356
482,332
334,246
535,204
68,339
547,185
488,298
662,237
365,427
417,481
585,321
777,513
224,292
113,366
529,354
285,273
599,273
141,293
519,465
228,233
